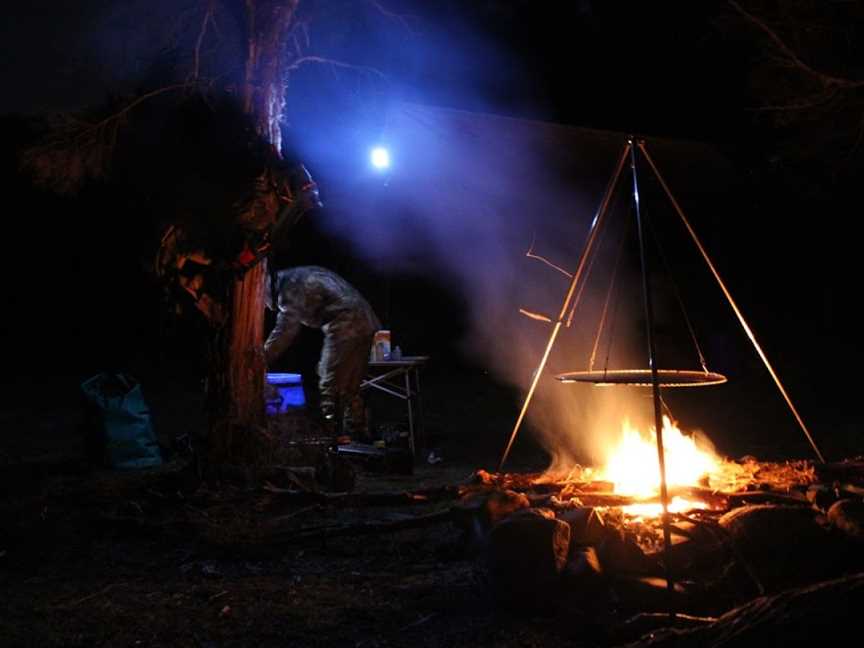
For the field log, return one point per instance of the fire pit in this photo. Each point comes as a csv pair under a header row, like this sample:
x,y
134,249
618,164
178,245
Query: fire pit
x,y
742,529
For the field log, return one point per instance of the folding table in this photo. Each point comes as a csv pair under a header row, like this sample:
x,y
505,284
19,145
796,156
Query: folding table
x,y
400,379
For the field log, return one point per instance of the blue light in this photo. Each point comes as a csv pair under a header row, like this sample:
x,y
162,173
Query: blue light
x,y
380,157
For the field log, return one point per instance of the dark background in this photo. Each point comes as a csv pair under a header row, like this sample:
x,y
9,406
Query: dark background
x,y
79,297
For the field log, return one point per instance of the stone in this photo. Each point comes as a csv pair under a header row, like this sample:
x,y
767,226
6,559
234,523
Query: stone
x,y
477,513
527,552
620,553
821,496
586,525
584,583
847,515
583,569
771,538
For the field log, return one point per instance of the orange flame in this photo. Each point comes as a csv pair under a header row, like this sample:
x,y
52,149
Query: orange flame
x,y
633,467
632,464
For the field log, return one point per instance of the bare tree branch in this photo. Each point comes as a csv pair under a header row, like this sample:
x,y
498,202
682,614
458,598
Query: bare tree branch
x,y
530,254
78,150
816,100
208,16
401,18
139,100
303,60
827,80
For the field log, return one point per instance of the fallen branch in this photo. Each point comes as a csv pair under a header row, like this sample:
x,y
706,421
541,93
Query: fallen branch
x,y
290,516
366,499
365,528
89,597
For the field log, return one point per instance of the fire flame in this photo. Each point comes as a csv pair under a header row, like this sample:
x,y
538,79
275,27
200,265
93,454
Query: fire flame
x,y
632,464
633,467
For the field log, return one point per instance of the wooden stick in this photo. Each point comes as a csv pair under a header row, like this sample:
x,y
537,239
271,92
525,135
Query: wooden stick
x,y
365,528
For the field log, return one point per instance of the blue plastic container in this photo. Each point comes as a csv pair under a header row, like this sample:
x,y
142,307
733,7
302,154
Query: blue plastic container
x,y
289,387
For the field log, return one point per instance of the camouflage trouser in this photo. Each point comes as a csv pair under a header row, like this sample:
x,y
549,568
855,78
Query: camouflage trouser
x,y
343,365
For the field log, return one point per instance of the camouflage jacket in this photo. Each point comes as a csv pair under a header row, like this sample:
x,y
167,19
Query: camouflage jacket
x,y
318,298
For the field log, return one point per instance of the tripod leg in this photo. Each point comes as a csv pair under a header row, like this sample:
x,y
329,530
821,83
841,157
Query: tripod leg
x,y
596,225
732,303
655,385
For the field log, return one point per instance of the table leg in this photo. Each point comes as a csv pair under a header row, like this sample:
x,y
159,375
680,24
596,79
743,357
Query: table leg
x,y
409,397
421,432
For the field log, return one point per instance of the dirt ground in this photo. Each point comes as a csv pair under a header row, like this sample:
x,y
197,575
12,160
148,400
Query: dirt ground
x,y
152,559
95,557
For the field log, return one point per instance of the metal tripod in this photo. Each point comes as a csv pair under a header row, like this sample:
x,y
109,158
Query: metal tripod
x,y
573,296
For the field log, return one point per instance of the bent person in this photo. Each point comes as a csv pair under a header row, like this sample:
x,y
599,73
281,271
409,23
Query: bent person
x,y
318,298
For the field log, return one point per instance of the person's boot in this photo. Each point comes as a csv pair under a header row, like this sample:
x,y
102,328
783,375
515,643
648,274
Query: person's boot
x,y
356,421
333,424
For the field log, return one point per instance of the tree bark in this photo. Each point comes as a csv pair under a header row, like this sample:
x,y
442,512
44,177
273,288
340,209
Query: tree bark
x,y
235,389
238,428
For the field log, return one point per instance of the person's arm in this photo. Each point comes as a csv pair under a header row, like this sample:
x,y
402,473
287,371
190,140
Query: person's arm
x,y
283,334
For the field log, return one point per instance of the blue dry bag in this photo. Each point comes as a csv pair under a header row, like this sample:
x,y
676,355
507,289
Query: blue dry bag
x,y
119,428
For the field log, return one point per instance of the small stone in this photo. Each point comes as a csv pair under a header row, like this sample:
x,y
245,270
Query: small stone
x,y
821,496
848,516
584,564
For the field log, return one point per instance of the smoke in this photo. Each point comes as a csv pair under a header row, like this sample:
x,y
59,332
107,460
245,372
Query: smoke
x,y
467,196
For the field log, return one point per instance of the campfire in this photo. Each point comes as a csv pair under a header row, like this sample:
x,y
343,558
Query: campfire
x,y
693,470
737,526
627,486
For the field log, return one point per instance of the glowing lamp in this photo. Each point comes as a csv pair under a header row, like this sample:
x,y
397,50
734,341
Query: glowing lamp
x,y
380,157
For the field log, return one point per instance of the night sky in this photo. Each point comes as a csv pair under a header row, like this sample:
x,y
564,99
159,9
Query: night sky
x,y
80,300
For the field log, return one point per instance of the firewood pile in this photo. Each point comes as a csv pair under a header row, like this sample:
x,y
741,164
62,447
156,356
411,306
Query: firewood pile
x,y
546,543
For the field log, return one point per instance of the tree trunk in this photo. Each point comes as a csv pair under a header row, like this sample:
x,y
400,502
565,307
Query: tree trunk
x,y
238,428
